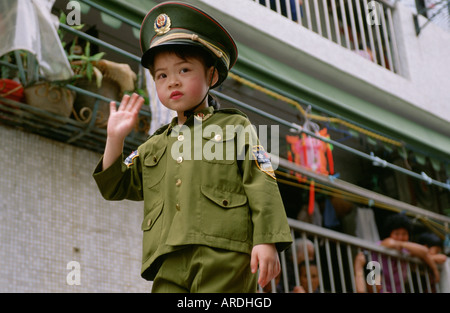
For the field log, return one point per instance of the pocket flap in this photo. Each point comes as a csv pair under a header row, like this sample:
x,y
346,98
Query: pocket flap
x,y
152,216
224,198
154,156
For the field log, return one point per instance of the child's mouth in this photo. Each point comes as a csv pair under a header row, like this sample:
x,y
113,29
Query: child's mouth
x,y
176,95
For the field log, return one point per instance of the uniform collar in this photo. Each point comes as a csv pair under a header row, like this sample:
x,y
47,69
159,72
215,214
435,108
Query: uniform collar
x,y
201,115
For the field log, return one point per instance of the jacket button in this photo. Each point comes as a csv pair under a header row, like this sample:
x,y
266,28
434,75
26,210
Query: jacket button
x,y
177,206
179,159
217,137
180,137
155,158
178,182
225,202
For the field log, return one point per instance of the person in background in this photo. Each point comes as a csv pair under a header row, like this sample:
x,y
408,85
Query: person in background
x,y
362,284
398,228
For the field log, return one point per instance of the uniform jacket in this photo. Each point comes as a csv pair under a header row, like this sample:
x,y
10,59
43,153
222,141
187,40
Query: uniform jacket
x,y
202,184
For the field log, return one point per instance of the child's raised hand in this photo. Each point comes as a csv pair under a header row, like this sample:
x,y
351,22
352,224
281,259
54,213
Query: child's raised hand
x,y
121,121
269,264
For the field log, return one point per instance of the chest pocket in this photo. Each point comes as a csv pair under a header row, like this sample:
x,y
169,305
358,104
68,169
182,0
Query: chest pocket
x,y
154,166
219,147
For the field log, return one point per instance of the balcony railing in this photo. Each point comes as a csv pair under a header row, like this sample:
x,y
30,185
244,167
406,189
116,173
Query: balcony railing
x,y
333,255
365,27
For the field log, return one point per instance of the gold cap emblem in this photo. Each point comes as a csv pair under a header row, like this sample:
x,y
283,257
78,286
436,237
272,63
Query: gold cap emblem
x,y
162,24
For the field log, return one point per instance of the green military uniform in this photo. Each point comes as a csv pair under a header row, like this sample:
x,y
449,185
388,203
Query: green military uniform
x,y
208,186
224,203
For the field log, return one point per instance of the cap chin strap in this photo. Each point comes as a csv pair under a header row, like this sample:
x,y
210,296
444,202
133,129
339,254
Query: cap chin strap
x,y
191,111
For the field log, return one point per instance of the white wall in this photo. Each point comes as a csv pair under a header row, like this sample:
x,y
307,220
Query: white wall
x,y
51,213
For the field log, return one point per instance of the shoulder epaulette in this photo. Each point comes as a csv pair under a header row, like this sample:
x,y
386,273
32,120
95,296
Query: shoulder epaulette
x,y
159,131
232,111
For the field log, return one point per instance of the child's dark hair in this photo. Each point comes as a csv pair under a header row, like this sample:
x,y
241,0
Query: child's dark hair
x,y
185,52
397,221
430,240
303,264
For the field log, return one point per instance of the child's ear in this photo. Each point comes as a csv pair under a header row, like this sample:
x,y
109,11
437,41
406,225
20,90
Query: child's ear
x,y
215,78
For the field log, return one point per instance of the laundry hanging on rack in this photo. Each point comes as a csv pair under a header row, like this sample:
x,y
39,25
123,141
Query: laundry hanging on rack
x,y
312,153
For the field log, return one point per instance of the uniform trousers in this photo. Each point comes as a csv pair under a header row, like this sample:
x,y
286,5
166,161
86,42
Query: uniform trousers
x,y
202,269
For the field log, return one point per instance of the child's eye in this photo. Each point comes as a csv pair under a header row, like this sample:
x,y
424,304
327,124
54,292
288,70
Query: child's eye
x,y
161,76
184,70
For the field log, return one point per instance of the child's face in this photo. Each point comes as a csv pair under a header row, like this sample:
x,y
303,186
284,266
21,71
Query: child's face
x,y
314,277
400,234
180,83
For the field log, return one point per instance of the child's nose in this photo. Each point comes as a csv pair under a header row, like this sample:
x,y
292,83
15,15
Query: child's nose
x,y
174,81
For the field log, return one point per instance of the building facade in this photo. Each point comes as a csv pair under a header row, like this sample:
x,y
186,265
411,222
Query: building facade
x,y
370,75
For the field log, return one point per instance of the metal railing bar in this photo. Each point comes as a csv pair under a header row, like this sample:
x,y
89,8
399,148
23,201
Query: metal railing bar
x,y
369,31
361,26
111,13
336,22
287,5
383,277
400,270
419,281
341,266
353,25
345,26
380,45
318,19
90,125
386,41
308,269
308,14
351,267
396,66
391,274
330,267
319,264
65,126
100,42
327,19
409,275
278,6
342,237
298,11
284,272
294,259
427,279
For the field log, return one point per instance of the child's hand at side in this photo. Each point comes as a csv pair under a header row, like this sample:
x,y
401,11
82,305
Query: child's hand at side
x,y
269,264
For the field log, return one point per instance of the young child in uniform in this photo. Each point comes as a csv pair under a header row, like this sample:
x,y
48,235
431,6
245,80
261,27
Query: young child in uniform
x,y
213,214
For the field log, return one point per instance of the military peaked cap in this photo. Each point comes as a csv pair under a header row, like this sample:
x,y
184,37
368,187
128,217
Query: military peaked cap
x,y
179,23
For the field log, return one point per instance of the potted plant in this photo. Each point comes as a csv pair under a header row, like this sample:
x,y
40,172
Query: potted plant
x,y
10,85
95,74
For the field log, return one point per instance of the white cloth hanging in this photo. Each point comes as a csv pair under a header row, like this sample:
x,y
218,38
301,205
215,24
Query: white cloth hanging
x,y
366,228
160,114
30,26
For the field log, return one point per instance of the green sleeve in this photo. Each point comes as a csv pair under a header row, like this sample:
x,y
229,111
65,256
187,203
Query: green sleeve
x,y
119,181
269,218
